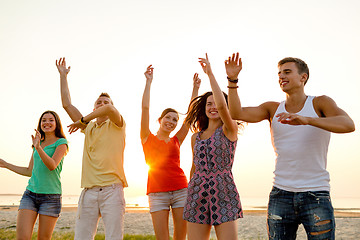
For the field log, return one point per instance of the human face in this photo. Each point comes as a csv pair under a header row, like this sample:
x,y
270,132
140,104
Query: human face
x,y
48,123
169,122
289,77
210,108
101,101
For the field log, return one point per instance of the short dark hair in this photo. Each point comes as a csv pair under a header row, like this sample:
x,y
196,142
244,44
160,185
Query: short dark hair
x,y
104,94
300,64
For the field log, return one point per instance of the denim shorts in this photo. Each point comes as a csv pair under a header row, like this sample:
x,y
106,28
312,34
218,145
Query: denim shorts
x,y
287,210
44,204
164,200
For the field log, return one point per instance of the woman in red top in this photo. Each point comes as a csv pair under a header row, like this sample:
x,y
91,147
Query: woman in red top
x,y
167,182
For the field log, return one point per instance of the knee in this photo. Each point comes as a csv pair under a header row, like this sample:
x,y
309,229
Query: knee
x,y
324,227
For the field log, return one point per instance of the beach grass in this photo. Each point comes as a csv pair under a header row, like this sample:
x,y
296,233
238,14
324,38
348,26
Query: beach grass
x,y
7,234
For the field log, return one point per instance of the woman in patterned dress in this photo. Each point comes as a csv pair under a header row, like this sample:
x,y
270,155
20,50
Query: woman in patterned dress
x,y
212,195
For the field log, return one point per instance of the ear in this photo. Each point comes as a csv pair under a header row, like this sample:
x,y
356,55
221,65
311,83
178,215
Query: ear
x,y
304,77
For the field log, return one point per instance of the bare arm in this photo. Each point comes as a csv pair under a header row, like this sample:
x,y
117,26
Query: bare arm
x,y
25,171
193,138
72,111
145,105
50,162
108,110
182,133
332,118
233,66
230,126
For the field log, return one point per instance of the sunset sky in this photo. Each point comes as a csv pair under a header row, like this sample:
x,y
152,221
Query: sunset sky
x,y
109,44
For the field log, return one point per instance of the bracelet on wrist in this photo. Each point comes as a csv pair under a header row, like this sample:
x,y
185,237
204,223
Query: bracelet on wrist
x,y
232,87
82,121
232,80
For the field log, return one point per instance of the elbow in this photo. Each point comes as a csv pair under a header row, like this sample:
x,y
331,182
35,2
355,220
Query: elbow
x,y
51,168
346,129
28,173
222,107
351,128
110,109
233,115
66,106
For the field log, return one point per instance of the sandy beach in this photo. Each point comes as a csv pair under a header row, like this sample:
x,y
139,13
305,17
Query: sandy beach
x,y
138,221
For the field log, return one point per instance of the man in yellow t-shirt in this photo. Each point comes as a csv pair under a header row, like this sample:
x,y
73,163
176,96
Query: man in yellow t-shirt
x,y
103,177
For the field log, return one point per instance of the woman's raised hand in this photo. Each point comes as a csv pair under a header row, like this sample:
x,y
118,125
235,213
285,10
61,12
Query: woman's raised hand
x,y
197,80
36,139
149,73
205,64
233,66
61,66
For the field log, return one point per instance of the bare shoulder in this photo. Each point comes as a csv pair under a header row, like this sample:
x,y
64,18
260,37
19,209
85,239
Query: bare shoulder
x,y
326,106
270,107
193,137
323,99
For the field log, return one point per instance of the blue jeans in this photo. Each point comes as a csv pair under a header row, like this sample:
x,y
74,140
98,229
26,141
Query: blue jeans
x,y
44,204
286,210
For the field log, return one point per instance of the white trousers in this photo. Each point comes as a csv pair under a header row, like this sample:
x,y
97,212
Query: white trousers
x,y
107,202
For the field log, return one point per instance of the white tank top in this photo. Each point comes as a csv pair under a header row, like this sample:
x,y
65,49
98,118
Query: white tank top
x,y
301,153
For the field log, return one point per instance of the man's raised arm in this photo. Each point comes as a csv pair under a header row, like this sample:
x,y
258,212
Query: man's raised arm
x,y
233,66
72,111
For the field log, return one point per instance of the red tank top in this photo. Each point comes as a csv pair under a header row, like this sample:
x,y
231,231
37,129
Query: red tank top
x,y
163,160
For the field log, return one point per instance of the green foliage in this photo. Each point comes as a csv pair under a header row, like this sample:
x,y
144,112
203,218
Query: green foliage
x,y
6,234
139,237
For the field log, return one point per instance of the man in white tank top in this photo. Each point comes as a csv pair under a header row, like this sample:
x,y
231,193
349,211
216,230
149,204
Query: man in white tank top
x,y
300,130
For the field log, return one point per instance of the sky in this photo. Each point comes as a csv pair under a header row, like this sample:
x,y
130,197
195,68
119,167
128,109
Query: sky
x,y
109,44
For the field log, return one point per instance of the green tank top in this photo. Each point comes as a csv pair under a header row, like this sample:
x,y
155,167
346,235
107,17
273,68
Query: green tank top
x,y
42,179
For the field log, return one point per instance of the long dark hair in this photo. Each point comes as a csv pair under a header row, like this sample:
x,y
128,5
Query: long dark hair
x,y
58,129
196,115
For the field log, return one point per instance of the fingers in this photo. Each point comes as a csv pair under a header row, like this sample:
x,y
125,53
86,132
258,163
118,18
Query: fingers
x,y
73,128
149,69
290,118
61,62
234,58
149,72
196,80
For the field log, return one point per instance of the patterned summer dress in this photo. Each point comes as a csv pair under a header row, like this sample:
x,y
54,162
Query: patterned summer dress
x,y
212,195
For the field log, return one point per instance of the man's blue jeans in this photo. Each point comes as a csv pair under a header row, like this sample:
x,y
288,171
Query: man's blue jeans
x,y
286,210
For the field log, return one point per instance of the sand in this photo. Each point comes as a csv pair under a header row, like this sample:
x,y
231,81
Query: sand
x,y
138,221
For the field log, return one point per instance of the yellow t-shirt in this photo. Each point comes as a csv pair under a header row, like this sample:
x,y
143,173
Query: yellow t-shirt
x,y
103,157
